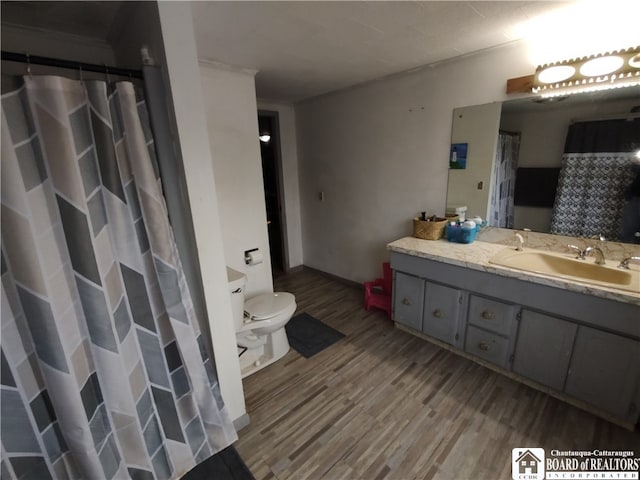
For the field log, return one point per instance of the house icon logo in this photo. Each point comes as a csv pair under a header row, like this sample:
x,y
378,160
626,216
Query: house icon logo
x,y
527,464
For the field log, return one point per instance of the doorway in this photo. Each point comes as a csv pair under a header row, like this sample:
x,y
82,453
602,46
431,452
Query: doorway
x,y
272,177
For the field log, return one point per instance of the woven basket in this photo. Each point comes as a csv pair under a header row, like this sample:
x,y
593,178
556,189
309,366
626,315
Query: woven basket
x,y
433,230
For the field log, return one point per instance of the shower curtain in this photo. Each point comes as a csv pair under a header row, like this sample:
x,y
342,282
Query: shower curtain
x,y
105,374
501,209
597,168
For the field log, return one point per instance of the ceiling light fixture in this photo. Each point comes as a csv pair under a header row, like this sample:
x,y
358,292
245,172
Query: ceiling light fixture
x,y
264,137
588,74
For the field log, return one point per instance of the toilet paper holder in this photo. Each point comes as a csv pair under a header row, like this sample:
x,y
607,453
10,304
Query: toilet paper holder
x,y
252,257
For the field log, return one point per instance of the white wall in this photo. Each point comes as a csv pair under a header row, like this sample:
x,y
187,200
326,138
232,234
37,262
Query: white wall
x,y
232,121
188,101
53,44
289,157
379,153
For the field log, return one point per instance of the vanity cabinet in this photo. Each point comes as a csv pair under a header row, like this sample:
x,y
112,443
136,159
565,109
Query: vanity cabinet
x,y
604,371
543,348
579,347
442,312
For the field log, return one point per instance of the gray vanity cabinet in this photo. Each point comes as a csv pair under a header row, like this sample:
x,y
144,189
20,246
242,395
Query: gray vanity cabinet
x,y
543,348
578,347
605,371
408,300
442,312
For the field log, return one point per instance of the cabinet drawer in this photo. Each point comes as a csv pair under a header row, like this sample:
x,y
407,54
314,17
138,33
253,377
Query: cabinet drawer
x,y
408,298
487,345
491,315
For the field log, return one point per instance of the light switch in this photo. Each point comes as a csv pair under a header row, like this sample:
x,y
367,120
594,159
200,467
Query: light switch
x,y
480,185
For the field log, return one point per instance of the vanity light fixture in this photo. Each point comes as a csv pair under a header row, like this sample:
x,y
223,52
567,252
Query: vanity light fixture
x,y
264,137
588,74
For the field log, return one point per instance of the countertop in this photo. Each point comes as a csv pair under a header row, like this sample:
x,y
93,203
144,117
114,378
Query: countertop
x,y
476,256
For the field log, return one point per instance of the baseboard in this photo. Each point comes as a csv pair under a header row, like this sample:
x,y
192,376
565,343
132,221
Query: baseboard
x,y
296,269
345,281
241,422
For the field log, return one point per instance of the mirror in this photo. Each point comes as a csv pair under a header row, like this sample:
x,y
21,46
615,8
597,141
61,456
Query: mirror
x,y
542,125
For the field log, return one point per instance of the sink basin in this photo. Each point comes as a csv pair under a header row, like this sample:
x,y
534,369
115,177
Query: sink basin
x,y
565,266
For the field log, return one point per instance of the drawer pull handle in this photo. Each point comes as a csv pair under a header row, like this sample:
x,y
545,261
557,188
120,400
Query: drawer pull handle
x,y
437,313
488,315
483,346
406,301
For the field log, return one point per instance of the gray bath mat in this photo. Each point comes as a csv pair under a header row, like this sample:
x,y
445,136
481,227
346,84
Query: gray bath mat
x,y
308,335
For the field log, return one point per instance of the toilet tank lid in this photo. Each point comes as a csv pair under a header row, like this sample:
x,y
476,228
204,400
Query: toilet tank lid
x,y
236,279
268,305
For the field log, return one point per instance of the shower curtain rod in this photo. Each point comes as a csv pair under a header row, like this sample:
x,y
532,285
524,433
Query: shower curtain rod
x,y
56,62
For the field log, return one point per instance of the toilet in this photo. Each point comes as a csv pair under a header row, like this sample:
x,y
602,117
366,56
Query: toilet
x,y
259,323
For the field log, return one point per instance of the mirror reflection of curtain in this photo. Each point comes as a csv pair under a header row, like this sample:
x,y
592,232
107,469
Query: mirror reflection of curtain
x,y
104,370
596,171
501,208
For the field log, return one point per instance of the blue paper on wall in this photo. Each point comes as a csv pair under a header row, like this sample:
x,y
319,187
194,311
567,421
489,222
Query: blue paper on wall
x,y
458,156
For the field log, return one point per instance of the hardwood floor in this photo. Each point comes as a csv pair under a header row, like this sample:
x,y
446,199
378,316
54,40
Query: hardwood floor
x,y
382,403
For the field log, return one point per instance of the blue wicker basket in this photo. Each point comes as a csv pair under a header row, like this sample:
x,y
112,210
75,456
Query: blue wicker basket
x,y
459,234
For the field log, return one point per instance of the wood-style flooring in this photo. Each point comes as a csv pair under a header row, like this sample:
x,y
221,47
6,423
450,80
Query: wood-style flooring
x,y
382,403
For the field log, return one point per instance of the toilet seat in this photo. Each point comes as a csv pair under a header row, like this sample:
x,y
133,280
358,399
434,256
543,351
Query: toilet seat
x,y
268,305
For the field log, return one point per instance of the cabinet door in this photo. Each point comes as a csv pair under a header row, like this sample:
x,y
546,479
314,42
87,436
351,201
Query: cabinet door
x,y
543,348
441,312
407,300
604,371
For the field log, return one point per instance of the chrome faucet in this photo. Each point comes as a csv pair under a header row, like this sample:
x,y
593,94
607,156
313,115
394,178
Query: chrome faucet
x,y
580,253
597,252
520,242
625,262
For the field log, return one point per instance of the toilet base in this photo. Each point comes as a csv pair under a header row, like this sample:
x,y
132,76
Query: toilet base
x,y
254,359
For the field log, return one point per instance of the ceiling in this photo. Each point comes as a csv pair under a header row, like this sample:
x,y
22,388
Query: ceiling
x,y
302,49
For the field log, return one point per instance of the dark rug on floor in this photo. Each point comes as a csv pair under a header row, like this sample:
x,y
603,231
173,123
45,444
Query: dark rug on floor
x,y
309,335
224,465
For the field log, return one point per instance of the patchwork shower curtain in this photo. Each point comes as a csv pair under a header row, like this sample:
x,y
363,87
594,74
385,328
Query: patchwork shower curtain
x,y
597,169
105,374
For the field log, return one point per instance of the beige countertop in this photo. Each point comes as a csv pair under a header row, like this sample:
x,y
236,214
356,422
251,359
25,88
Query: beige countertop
x,y
476,256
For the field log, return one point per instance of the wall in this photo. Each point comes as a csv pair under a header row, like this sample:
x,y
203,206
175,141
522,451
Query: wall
x,y
22,39
289,158
229,98
46,43
477,126
184,78
379,152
